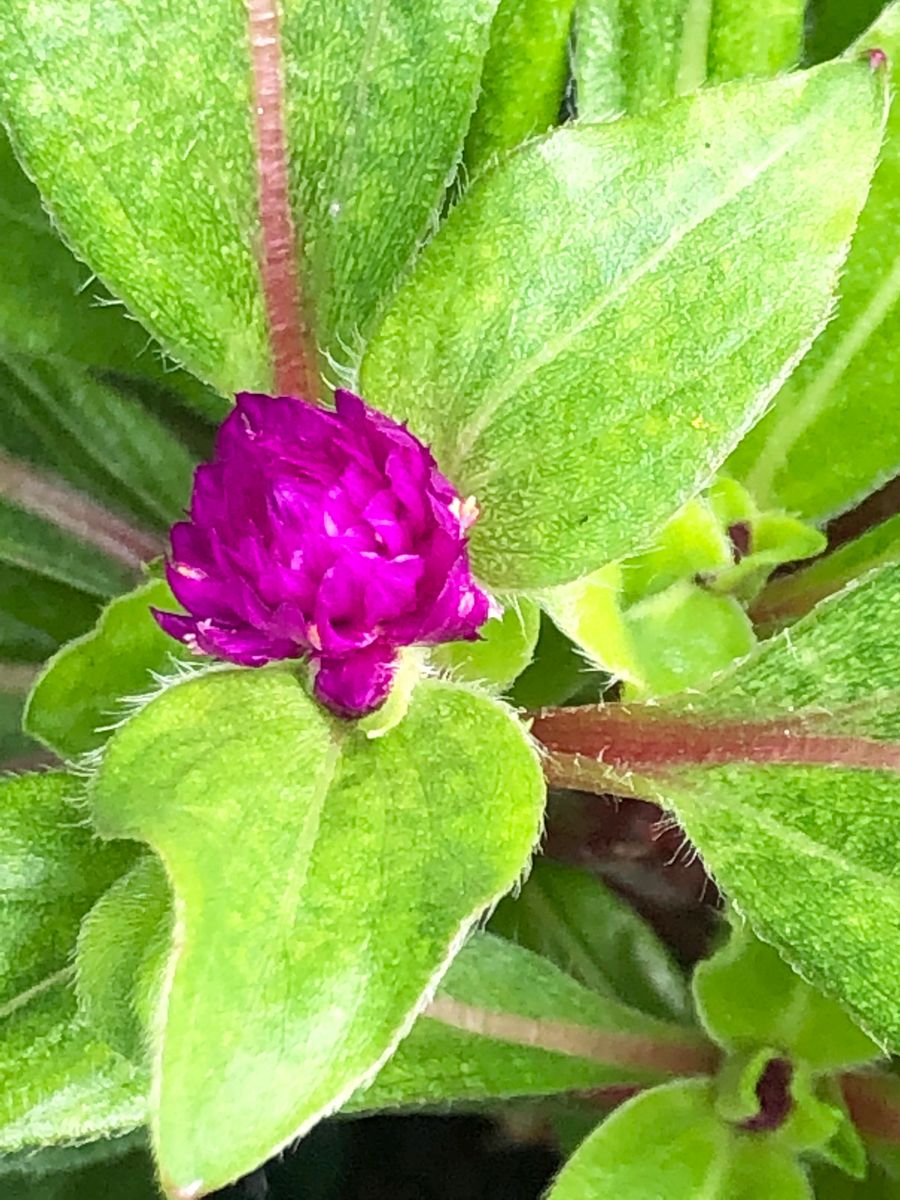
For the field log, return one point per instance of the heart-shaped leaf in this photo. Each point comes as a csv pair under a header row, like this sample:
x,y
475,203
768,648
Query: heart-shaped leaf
x,y
657,306
289,987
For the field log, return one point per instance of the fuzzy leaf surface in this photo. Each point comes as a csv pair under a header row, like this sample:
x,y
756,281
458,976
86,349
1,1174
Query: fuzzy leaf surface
x,y
832,435
748,996
658,306
760,39
673,1134
290,988
83,689
787,769
148,165
631,56
525,73
51,871
59,1084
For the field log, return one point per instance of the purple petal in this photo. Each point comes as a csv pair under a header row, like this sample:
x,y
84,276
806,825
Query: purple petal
x,y
358,684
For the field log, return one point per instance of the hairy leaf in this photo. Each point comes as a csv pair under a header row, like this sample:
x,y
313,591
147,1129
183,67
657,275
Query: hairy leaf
x,y
631,56
148,164
507,1023
786,776
102,442
525,73
50,305
59,1084
762,38
84,689
51,871
673,1134
290,988
747,995
658,304
832,436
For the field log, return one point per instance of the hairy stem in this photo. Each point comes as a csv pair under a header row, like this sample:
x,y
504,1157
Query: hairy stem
x,y
290,335
615,738
91,523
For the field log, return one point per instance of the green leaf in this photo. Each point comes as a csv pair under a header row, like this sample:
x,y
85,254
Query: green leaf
x,y
37,614
831,437
573,919
525,74
505,650
122,949
49,304
759,39
388,865
656,306
748,996
482,1038
33,544
631,56
784,774
128,1178
670,1142
557,673
61,420
60,1085
507,1023
84,688
51,871
148,165
682,637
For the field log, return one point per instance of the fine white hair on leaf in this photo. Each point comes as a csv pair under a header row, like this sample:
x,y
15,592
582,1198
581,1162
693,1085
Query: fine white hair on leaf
x,y
344,371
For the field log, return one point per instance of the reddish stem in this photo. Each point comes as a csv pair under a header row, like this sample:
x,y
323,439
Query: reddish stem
x,y
293,346
91,523
873,1102
632,740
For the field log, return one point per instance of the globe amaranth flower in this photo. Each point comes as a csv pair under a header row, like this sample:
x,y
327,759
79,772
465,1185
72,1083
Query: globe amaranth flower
x,y
325,535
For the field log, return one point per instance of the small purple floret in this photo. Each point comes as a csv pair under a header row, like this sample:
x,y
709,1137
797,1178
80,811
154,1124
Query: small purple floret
x,y
330,536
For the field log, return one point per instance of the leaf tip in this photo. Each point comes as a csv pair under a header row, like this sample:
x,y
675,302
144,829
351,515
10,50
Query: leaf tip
x,y
190,1191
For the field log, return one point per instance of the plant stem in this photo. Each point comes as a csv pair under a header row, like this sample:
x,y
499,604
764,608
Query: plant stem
x,y
683,1054
873,1101
91,523
293,345
592,745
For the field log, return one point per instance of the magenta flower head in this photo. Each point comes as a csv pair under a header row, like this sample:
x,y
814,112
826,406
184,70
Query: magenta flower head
x,y
330,536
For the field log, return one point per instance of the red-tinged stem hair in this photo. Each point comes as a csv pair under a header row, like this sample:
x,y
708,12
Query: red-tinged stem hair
x,y
290,334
